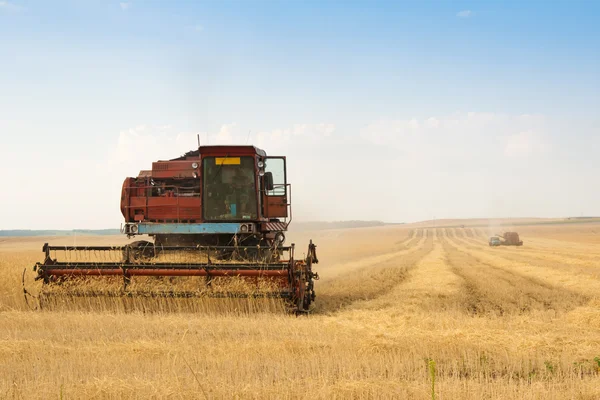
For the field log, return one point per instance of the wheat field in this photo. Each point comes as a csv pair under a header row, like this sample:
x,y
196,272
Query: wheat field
x,y
408,311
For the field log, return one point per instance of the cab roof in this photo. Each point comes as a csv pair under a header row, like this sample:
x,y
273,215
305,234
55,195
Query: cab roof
x,y
222,150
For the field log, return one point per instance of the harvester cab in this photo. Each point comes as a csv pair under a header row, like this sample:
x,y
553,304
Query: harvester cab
x,y
226,208
495,241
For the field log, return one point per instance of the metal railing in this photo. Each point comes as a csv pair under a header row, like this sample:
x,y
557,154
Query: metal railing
x,y
287,194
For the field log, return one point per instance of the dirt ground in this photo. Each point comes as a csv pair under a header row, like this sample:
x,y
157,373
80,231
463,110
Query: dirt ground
x,y
404,311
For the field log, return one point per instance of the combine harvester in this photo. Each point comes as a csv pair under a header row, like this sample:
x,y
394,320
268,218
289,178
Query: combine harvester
x,y
218,213
506,239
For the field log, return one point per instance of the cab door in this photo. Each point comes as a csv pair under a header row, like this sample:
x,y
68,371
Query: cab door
x,y
275,189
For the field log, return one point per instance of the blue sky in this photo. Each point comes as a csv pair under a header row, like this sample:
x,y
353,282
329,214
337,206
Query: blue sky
x,y
398,111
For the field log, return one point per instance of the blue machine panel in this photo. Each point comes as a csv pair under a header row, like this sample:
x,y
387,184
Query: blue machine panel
x,y
216,227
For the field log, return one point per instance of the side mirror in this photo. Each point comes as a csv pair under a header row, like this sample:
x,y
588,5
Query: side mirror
x,y
268,181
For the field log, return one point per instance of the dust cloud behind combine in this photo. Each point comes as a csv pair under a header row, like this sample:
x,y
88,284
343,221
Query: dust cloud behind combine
x,y
501,322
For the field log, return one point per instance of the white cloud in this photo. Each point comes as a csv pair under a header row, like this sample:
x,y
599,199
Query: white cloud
x,y
228,134
283,140
469,136
465,14
125,5
138,147
10,7
524,143
467,164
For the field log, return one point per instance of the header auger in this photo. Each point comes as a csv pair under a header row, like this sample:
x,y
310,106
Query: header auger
x,y
218,213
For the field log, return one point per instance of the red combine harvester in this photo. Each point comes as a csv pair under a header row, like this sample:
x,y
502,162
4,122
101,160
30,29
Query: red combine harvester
x,y
228,207
506,239
511,239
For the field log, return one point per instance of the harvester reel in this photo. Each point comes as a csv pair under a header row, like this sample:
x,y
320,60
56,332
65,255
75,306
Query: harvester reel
x,y
284,276
138,250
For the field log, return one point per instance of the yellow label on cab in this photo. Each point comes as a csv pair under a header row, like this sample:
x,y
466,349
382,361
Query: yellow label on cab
x,y
227,161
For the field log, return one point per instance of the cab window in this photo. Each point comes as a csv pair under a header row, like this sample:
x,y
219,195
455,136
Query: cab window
x,y
229,188
275,167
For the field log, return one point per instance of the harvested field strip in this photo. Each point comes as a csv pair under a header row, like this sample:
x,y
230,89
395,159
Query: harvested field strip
x,y
409,237
544,253
428,288
522,254
333,271
510,293
376,278
481,233
527,249
547,245
586,284
561,254
418,237
541,244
